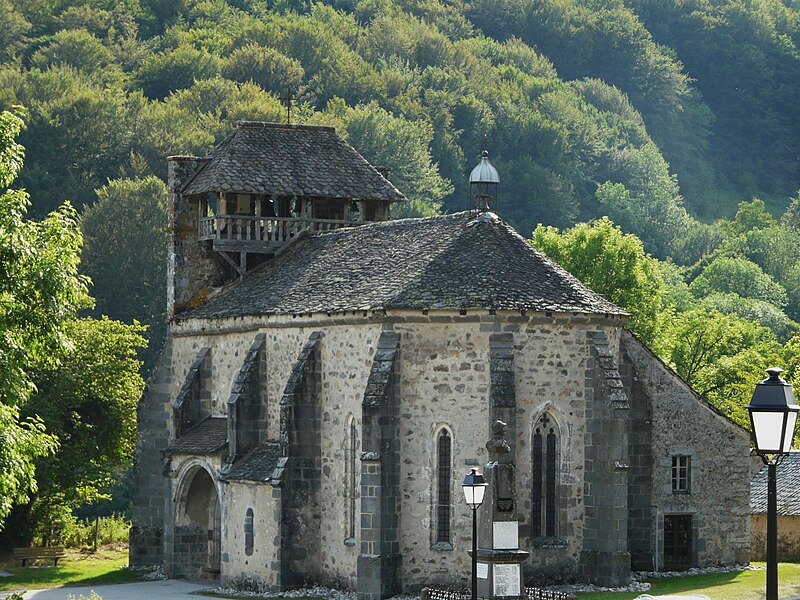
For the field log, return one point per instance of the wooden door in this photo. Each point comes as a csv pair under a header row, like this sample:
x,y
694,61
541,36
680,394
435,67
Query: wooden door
x,y
677,542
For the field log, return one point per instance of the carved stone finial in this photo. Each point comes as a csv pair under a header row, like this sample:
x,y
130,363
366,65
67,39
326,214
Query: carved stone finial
x,y
498,444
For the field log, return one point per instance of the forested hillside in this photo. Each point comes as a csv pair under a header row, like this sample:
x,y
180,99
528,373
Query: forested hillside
x,y
668,116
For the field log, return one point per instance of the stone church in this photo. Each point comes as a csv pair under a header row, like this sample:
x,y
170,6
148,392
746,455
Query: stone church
x,y
330,377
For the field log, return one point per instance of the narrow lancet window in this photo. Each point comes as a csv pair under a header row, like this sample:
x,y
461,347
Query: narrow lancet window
x,y
351,482
444,453
248,533
544,478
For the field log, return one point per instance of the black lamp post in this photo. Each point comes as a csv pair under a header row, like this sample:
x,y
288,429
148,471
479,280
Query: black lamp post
x,y
474,487
773,414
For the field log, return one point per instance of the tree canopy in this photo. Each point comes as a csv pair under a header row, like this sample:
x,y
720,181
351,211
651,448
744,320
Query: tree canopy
x,y
68,386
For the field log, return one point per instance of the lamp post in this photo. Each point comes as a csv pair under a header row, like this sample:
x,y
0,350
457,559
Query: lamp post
x,y
773,414
474,487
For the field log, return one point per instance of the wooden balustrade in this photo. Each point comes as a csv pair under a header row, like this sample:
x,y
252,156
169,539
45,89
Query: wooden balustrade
x,y
269,231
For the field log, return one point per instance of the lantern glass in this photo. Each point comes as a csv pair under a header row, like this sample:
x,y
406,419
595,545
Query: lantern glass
x,y
768,427
791,420
474,487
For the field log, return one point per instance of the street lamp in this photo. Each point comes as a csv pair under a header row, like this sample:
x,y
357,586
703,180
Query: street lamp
x,y
474,487
773,414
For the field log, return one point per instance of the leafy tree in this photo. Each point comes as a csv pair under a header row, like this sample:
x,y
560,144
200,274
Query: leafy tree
x,y
40,291
89,404
13,26
174,69
613,264
401,145
775,249
125,253
77,48
267,67
749,216
791,218
649,205
755,311
721,356
740,276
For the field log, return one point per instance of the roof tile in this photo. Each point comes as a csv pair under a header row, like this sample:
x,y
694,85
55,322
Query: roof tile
x,y
788,484
456,261
290,160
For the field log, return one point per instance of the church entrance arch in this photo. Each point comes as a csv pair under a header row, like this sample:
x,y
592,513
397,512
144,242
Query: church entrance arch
x,y
198,531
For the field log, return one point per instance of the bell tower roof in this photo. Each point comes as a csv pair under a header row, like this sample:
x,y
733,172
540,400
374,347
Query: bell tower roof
x,y
290,160
484,172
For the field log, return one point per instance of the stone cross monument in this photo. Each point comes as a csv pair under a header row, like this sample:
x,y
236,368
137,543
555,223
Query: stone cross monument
x,y
499,555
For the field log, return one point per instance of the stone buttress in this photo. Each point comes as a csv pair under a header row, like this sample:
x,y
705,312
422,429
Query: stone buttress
x,y
150,486
605,558
300,426
379,558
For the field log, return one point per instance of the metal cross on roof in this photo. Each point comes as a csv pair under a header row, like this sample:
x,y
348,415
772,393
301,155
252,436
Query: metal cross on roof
x,y
287,101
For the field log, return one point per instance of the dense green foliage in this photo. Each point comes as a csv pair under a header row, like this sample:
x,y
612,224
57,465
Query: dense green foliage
x,y
613,264
666,116
653,113
68,385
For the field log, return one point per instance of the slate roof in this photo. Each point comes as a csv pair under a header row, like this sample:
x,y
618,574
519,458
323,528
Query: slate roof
x,y
456,261
289,160
259,465
206,437
788,484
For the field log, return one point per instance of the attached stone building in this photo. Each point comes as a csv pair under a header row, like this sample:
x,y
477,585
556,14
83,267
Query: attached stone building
x,y
788,501
328,382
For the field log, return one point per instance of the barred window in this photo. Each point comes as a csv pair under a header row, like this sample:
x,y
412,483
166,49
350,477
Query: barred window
x,y
248,532
681,474
444,453
544,477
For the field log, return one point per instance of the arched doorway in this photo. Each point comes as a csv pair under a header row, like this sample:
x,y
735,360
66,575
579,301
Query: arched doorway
x,y
197,527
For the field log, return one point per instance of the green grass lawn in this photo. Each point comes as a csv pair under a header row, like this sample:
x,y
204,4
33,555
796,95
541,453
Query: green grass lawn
x,y
745,585
77,568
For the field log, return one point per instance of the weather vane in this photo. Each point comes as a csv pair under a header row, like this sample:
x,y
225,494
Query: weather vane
x,y
287,100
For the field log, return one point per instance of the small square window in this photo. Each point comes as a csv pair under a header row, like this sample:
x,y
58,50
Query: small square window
x,y
681,469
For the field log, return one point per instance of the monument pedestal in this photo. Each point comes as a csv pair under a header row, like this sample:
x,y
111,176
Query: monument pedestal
x,y
500,573
499,557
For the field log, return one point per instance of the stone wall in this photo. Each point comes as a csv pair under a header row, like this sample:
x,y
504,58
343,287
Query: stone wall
x,y
445,380
346,356
682,423
261,570
153,425
788,537
193,269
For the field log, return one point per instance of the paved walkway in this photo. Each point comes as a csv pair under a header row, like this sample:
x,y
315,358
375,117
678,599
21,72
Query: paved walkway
x,y
170,589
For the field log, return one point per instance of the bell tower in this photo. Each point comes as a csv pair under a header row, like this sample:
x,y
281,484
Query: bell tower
x,y
484,182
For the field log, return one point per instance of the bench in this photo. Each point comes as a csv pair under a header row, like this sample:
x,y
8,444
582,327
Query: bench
x,y
26,554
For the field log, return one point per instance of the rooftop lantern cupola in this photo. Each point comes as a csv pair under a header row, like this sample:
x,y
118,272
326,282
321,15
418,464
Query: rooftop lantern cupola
x,y
483,184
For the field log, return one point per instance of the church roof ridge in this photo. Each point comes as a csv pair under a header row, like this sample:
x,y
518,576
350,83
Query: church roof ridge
x,y
290,160
456,261
246,123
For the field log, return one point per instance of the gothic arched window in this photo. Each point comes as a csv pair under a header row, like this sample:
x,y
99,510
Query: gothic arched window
x,y
350,481
544,478
444,449
248,532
